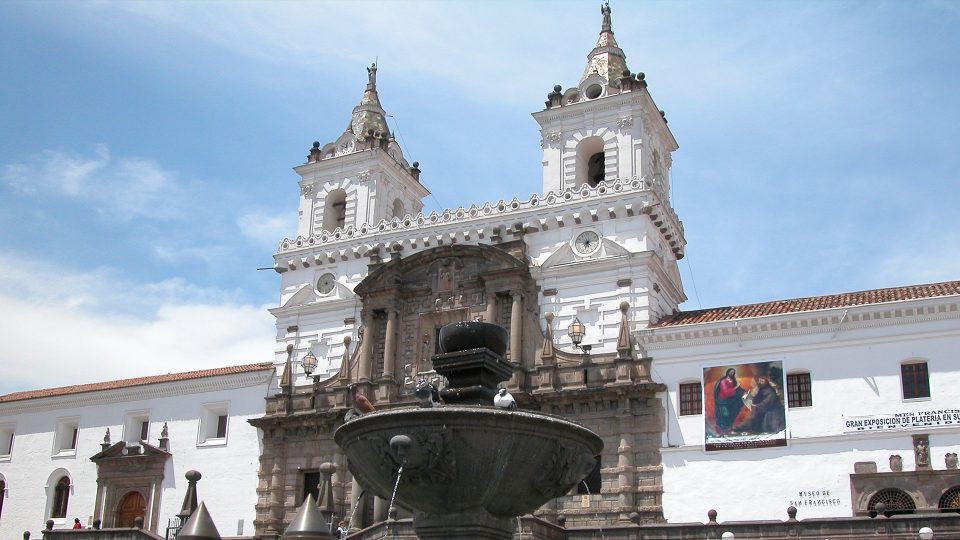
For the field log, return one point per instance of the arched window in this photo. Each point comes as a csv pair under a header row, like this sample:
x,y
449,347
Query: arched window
x,y
398,210
591,161
61,495
335,210
950,500
3,494
896,501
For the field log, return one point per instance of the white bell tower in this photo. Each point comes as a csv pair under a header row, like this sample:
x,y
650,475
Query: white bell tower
x,y
361,178
607,127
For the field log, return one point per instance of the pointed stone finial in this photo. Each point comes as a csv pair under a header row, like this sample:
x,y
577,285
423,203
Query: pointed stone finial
x,y
308,524
547,353
624,347
286,378
325,501
106,440
200,526
190,498
345,360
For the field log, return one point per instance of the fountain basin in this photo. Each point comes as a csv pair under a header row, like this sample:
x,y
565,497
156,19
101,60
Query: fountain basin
x,y
462,460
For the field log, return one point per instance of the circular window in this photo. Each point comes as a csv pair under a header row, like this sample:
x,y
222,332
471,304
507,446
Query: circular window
x,y
593,91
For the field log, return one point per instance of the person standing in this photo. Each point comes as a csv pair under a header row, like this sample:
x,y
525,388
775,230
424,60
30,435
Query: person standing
x,y
76,523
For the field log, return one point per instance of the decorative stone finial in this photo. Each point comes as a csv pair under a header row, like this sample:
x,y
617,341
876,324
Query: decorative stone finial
x,y
950,460
314,155
791,513
106,440
880,509
548,316
164,438
415,171
712,517
190,498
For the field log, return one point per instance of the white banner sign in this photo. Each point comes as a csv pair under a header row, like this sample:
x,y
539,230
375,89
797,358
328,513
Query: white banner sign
x,y
887,422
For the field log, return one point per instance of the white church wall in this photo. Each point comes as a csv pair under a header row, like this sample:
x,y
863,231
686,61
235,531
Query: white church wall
x,y
855,371
229,466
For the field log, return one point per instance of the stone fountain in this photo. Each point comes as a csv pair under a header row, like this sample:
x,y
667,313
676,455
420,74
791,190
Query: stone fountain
x,y
468,468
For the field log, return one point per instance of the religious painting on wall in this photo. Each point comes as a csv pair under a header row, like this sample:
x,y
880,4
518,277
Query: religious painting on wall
x,y
744,406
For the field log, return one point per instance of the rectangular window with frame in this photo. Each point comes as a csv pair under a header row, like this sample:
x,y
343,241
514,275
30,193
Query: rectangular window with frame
x,y
915,380
691,399
799,390
6,442
65,436
214,424
136,426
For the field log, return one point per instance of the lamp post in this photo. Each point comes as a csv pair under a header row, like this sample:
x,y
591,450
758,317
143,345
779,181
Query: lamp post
x,y
309,363
576,330
925,533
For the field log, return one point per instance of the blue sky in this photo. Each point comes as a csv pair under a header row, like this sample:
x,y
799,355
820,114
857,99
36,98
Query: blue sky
x,y
146,150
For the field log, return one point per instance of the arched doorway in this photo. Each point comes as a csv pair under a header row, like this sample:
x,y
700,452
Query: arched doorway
x,y
131,506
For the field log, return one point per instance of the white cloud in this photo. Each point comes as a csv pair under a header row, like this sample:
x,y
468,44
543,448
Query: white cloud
x,y
267,230
94,326
121,188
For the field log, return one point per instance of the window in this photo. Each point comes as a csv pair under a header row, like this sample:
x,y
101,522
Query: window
x,y
65,437
595,169
591,484
896,501
311,485
799,390
335,210
61,494
915,380
6,441
136,426
3,494
691,399
214,420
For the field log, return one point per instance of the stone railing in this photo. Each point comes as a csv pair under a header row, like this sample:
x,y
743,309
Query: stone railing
x,y
100,534
410,224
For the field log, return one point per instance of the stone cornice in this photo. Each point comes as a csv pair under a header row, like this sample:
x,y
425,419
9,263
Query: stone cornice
x,y
572,206
140,393
833,320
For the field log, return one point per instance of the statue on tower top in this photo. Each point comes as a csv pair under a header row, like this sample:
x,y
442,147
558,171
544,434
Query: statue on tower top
x,y
605,10
372,74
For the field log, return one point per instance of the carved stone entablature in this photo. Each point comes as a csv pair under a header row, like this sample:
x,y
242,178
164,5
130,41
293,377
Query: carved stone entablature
x,y
621,197
928,490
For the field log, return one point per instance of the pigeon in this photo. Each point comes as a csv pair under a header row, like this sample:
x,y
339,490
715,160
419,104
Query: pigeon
x,y
427,394
504,400
361,405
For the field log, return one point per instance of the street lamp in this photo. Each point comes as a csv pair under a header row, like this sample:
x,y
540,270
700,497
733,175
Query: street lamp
x,y
576,330
309,363
926,533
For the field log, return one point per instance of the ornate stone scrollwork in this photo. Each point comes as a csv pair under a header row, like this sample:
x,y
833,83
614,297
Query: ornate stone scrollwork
x,y
567,466
306,190
625,122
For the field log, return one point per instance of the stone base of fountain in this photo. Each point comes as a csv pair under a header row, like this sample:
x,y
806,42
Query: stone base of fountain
x,y
474,524
473,375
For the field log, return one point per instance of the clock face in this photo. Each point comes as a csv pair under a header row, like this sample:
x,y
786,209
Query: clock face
x,y
586,243
326,283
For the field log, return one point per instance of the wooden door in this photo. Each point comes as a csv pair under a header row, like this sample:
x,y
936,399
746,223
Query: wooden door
x,y
131,507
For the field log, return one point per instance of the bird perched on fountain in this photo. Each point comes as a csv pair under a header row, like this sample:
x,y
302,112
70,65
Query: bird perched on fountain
x,y
361,405
504,400
427,394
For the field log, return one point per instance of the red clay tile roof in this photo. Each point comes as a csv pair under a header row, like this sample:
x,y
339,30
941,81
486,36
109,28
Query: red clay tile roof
x,y
138,381
813,303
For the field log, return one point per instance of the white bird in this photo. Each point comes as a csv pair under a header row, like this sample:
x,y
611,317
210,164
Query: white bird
x,y
504,400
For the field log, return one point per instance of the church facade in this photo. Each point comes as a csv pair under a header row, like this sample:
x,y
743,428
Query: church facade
x,y
830,405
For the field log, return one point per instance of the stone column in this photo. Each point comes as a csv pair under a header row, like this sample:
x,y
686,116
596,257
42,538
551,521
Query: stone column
x,y
366,348
355,509
380,509
491,315
516,327
625,467
390,345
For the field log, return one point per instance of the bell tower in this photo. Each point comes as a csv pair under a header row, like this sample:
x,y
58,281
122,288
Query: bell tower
x,y
606,127
361,178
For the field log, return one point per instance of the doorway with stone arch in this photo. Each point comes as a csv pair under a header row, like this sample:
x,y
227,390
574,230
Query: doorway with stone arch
x,y
131,506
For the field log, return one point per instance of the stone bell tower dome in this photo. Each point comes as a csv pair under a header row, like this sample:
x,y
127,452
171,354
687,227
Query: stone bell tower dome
x,y
360,179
